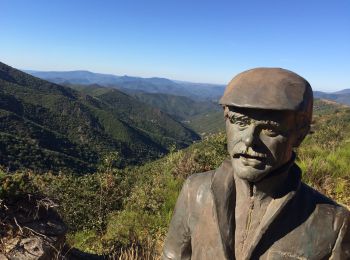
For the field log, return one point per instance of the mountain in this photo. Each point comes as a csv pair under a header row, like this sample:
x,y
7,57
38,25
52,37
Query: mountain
x,y
344,91
75,77
49,127
149,85
179,107
209,123
196,91
342,96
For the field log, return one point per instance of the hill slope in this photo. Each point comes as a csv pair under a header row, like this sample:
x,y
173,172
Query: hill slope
x,y
45,126
179,107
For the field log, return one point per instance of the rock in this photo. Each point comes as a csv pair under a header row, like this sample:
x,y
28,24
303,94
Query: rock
x,y
29,248
3,257
31,231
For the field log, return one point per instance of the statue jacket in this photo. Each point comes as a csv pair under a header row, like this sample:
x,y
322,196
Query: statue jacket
x,y
299,223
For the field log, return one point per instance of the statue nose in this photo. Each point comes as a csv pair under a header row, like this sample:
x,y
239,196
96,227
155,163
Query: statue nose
x,y
249,137
248,140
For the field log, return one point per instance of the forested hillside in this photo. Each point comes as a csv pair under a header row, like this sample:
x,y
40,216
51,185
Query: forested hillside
x,y
48,127
179,107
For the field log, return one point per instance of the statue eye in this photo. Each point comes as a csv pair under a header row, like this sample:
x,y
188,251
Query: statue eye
x,y
270,132
239,122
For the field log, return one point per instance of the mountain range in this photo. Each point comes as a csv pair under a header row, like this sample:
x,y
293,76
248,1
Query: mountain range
x,y
72,125
200,91
179,107
341,97
179,99
48,127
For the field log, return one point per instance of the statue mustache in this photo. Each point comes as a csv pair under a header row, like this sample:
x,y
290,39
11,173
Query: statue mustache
x,y
248,151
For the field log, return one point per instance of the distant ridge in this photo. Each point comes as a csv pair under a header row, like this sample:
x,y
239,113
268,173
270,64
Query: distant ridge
x,y
341,97
344,91
149,85
200,91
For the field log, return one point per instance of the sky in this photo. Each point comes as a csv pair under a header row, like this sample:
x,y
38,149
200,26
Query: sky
x,y
198,41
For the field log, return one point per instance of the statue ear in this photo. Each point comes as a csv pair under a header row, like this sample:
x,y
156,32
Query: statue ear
x,y
301,134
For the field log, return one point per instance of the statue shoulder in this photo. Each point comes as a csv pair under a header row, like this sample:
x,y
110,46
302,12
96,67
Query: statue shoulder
x,y
198,179
315,196
324,204
196,189
205,178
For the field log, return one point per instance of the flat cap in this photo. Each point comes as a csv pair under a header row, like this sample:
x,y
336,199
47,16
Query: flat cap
x,y
269,88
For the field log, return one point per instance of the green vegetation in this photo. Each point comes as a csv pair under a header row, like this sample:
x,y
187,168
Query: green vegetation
x,y
130,208
326,107
113,208
182,108
48,127
204,117
324,155
209,123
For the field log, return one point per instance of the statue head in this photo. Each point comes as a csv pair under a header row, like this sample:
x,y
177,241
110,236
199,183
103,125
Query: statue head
x,y
268,113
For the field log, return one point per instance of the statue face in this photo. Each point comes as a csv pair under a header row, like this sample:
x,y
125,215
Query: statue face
x,y
259,141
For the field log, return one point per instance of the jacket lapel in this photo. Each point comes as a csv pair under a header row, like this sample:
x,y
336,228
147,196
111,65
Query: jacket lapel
x,y
223,190
224,194
274,209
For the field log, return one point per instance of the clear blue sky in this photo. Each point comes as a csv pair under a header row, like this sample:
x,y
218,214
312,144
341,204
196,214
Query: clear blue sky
x,y
200,41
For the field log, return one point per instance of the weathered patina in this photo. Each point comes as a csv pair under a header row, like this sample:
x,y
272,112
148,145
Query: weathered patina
x,y
254,206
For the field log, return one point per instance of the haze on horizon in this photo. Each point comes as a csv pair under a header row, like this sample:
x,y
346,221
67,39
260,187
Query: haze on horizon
x,y
197,41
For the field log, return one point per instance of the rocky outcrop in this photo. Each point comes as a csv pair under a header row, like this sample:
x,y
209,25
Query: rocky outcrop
x,y
30,229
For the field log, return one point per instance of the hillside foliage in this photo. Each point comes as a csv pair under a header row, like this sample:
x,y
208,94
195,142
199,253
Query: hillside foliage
x,y
48,127
115,210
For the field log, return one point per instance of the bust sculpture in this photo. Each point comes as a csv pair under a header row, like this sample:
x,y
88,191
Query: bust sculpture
x,y
254,206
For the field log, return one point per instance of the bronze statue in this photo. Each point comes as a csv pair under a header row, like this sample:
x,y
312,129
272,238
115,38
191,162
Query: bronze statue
x,y
254,206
